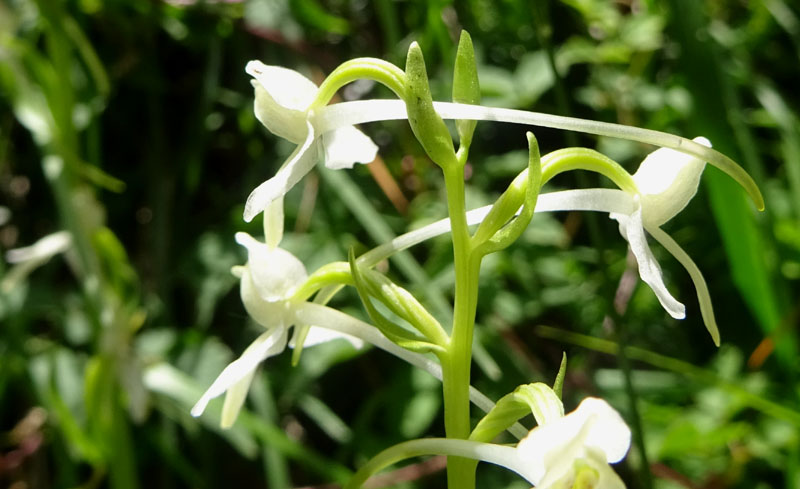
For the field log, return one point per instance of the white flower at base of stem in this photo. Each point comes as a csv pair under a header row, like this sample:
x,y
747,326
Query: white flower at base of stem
x,y
578,446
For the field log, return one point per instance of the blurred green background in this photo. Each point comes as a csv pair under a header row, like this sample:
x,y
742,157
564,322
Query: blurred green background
x,y
130,124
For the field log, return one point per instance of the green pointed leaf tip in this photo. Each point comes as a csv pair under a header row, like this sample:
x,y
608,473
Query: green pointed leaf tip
x,y
558,385
428,127
466,89
524,190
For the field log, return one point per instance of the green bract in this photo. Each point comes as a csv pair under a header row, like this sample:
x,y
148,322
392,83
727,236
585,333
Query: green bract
x,y
537,399
371,284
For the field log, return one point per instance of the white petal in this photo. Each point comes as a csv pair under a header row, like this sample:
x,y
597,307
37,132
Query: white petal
x,y
273,223
649,270
667,180
608,433
274,271
551,449
283,97
268,314
234,400
299,163
42,250
268,344
703,296
346,146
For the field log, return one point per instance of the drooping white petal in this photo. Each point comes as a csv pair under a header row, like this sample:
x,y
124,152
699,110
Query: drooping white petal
x,y
301,161
283,97
703,296
273,223
268,344
632,229
667,180
549,450
346,146
234,400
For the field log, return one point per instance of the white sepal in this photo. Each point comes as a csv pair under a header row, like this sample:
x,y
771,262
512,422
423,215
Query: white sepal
x,y
282,100
347,146
593,428
271,342
301,161
667,180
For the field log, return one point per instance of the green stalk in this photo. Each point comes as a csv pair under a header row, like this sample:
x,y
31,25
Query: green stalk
x,y
456,363
504,456
374,69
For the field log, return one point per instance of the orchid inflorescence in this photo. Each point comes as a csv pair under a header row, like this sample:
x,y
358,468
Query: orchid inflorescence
x,y
563,451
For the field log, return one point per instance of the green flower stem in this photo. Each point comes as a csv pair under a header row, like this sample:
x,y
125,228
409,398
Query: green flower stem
x,y
361,68
456,363
335,274
496,454
567,159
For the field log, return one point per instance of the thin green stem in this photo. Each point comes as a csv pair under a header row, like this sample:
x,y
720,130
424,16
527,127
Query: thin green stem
x,y
568,159
361,68
456,364
496,454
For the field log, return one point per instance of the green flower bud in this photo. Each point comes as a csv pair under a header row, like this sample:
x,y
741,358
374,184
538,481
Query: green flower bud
x,y
428,126
466,89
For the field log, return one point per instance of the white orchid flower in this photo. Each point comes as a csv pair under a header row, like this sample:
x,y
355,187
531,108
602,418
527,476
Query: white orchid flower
x,y
666,181
663,185
563,453
286,103
283,100
668,178
267,282
578,446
